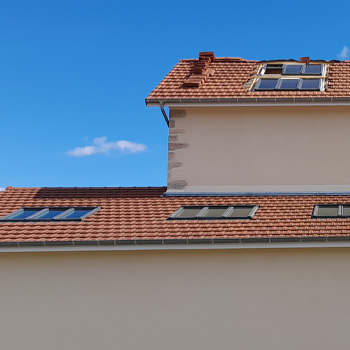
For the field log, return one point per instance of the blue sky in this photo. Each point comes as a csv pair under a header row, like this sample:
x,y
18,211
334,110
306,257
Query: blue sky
x,y
74,74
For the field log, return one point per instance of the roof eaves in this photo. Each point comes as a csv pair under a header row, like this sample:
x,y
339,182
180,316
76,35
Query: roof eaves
x,y
179,244
260,101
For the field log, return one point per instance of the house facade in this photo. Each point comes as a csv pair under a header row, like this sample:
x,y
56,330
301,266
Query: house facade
x,y
247,247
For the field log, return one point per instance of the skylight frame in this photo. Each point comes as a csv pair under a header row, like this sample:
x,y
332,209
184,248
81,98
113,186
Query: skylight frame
x,y
204,209
42,210
340,214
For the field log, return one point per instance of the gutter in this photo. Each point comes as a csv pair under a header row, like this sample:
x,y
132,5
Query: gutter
x,y
251,101
177,244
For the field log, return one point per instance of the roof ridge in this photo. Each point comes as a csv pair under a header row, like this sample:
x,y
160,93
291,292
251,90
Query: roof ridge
x,y
222,59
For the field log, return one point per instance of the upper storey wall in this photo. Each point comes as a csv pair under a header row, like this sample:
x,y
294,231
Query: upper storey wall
x,y
259,149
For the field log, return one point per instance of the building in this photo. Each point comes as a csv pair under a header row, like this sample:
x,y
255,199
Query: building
x,y
246,248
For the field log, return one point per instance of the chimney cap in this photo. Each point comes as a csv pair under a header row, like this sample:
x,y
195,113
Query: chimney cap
x,y
209,54
304,59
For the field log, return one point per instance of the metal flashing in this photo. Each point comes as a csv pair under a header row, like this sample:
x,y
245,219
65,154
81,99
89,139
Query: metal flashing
x,y
251,194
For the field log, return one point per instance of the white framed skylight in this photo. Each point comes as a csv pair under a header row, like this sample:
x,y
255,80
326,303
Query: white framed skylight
x,y
293,69
289,84
214,212
50,214
331,211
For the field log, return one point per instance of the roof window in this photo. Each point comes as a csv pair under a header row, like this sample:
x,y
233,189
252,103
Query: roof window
x,y
273,69
331,211
292,69
288,84
302,69
50,214
217,212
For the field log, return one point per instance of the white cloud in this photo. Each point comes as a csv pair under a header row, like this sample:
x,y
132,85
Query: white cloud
x,y
2,189
344,53
100,145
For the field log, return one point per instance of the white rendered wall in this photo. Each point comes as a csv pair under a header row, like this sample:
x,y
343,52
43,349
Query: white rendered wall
x,y
253,299
259,149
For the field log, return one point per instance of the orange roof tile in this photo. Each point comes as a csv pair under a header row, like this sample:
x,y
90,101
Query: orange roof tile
x,y
225,77
141,213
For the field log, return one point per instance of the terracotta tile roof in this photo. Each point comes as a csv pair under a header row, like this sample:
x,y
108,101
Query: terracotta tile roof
x,y
141,213
225,78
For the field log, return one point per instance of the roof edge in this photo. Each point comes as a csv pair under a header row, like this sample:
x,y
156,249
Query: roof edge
x,y
253,101
178,244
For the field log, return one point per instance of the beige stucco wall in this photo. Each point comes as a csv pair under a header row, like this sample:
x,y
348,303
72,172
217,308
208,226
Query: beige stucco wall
x,y
244,149
253,299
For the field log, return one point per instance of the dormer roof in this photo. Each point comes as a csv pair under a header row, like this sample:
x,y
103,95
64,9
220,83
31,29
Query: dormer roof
x,y
222,80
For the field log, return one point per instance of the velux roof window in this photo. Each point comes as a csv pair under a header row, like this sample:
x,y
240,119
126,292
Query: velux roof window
x,y
292,69
331,211
217,212
291,77
288,84
50,214
302,69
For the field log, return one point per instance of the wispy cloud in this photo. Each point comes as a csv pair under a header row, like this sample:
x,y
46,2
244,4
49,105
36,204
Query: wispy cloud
x,y
2,189
344,53
100,145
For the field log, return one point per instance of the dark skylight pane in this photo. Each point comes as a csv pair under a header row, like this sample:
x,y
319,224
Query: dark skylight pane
x,y
50,213
188,212
76,214
327,210
289,84
292,69
24,214
310,84
313,69
267,84
273,69
215,212
346,210
241,212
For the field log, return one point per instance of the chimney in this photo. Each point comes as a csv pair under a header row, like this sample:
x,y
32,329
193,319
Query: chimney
x,y
201,70
209,54
304,59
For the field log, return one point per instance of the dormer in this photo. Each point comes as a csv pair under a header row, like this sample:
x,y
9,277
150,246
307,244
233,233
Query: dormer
x,y
239,126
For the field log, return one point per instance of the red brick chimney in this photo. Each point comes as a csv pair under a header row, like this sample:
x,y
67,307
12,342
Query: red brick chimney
x,y
201,70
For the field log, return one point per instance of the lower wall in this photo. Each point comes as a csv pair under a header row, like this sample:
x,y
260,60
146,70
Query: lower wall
x,y
256,299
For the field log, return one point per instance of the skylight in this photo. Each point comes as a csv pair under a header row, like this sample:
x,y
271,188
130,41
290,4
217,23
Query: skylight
x,y
217,212
302,69
288,84
50,214
310,84
331,211
292,69
273,68
291,77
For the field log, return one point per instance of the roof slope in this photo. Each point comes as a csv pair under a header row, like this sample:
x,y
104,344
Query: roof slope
x,y
141,213
228,76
